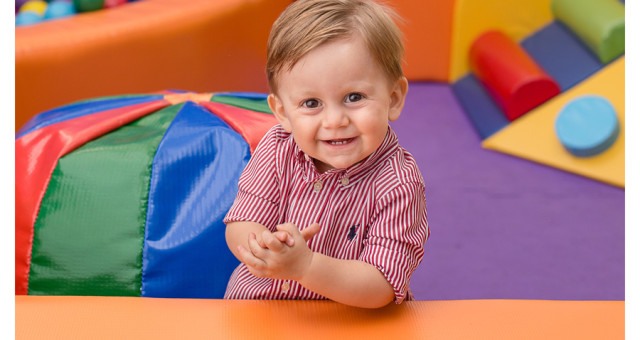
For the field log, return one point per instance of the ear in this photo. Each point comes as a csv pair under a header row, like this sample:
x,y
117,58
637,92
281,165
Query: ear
x,y
398,94
275,104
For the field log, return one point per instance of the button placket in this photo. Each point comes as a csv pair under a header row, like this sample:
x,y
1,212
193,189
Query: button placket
x,y
344,181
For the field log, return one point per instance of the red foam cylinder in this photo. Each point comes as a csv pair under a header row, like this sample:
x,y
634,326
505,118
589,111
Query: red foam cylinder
x,y
513,79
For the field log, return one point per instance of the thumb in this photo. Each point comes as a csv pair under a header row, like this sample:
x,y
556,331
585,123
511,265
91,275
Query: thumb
x,y
310,231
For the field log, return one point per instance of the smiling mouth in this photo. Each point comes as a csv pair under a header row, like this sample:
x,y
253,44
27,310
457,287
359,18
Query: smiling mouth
x,y
338,142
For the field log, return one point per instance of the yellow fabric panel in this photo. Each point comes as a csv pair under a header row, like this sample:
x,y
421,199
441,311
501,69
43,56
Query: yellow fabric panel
x,y
517,19
533,135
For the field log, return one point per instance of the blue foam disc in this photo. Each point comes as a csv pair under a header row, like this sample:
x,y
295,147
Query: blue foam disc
x,y
587,126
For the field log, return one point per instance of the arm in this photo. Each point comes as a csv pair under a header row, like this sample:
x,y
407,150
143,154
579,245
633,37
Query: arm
x,y
351,282
237,234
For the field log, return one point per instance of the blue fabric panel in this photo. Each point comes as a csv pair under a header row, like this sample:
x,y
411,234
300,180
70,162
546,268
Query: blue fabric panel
x,y
194,180
561,54
483,112
80,109
246,95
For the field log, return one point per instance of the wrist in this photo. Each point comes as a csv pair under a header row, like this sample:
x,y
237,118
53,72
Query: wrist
x,y
306,269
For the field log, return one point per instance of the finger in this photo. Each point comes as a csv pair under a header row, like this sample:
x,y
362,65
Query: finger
x,y
271,241
310,231
284,237
289,228
260,241
255,247
249,259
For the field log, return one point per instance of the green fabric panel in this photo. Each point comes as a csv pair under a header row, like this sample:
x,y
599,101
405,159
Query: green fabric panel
x,y
245,103
89,234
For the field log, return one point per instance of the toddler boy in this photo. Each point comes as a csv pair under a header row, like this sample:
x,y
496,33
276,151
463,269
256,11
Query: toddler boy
x,y
330,206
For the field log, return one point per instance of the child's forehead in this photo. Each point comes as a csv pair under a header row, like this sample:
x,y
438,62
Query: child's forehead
x,y
351,47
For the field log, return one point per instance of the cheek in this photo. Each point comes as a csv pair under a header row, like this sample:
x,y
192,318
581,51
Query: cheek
x,y
303,129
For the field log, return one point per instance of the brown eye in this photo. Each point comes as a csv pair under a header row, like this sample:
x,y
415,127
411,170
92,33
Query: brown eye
x,y
310,103
353,97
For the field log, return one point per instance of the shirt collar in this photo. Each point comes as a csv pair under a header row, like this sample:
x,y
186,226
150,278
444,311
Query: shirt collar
x,y
355,172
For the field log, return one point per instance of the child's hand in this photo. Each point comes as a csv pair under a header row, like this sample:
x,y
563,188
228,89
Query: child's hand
x,y
278,260
285,237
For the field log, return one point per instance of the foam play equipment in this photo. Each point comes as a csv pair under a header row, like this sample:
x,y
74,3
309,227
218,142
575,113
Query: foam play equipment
x,y
511,77
533,136
485,115
517,19
83,317
427,29
125,195
140,47
587,126
561,55
598,23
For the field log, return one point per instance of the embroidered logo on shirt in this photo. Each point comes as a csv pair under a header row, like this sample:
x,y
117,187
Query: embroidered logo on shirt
x,y
352,232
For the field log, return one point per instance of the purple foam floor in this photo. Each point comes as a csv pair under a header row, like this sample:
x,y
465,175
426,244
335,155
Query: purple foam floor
x,y
504,227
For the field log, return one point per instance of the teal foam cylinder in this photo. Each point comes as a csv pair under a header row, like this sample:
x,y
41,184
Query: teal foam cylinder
x,y
598,23
587,126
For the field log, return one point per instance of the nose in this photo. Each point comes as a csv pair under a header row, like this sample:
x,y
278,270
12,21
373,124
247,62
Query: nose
x,y
335,117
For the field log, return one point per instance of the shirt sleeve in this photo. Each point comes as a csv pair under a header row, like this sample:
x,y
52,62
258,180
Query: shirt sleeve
x,y
396,238
258,189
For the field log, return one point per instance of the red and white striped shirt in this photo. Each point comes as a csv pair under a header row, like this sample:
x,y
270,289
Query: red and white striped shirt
x,y
374,211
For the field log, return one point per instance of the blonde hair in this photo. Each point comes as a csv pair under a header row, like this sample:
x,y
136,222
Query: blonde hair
x,y
306,24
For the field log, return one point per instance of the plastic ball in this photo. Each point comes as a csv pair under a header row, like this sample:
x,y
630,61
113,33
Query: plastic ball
x,y
19,4
113,3
37,6
27,18
59,9
88,5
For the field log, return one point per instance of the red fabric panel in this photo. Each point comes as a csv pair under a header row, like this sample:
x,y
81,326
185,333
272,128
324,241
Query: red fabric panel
x,y
37,154
251,125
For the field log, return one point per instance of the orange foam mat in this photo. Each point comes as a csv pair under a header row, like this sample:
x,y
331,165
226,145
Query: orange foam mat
x,y
195,45
427,29
533,135
91,317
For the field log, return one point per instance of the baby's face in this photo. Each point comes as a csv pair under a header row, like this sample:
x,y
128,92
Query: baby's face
x,y
337,101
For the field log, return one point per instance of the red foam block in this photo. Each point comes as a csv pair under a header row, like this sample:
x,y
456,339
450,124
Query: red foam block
x,y
509,74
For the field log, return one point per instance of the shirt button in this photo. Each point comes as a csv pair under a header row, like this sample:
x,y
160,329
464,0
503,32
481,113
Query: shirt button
x,y
285,287
306,157
345,181
317,186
